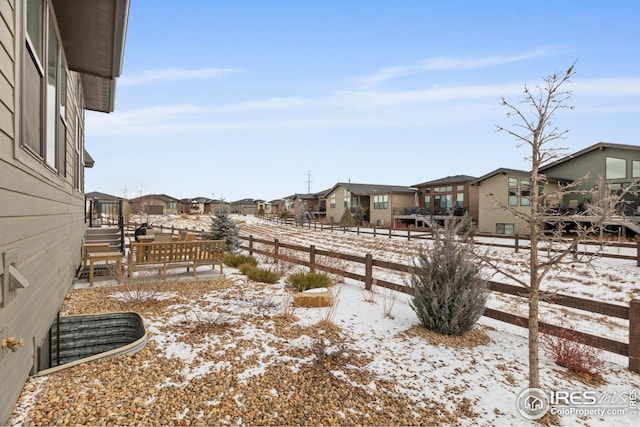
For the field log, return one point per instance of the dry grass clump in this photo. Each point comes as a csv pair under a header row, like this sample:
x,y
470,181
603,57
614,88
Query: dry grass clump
x,y
303,281
260,274
236,260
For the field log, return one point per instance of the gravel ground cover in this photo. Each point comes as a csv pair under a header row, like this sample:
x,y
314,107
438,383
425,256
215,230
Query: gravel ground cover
x,y
225,353
236,352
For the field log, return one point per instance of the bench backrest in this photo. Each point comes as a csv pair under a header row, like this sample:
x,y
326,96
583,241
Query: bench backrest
x,y
178,251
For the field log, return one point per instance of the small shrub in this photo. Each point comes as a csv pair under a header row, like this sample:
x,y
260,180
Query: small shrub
x,y
311,280
567,349
449,287
236,260
347,218
259,274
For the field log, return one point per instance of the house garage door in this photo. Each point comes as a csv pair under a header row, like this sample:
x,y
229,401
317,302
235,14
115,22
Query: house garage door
x,y
154,210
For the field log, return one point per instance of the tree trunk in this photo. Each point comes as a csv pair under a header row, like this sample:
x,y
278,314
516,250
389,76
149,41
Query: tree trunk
x,y
534,274
534,368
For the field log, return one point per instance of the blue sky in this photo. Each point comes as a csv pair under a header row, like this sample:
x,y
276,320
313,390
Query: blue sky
x,y
242,99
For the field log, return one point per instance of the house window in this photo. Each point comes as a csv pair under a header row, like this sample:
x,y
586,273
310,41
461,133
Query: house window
x,y
427,202
519,192
460,188
381,201
615,168
172,205
513,192
43,89
525,193
636,168
78,161
443,201
448,189
332,200
33,78
505,229
347,198
460,199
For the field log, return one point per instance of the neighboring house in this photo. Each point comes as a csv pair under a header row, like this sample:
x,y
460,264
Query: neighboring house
x,y
244,207
453,195
58,58
313,203
276,206
198,205
261,205
617,165
379,203
511,188
154,204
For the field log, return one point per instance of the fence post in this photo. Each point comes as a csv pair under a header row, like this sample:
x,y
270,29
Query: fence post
x,y
312,258
368,272
389,233
251,244
517,243
276,245
634,335
409,234
358,230
376,228
638,255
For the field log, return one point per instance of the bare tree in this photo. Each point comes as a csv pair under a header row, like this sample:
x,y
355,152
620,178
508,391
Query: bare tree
x,y
536,130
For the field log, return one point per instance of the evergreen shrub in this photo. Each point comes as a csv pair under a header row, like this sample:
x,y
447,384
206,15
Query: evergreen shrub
x,y
450,289
223,228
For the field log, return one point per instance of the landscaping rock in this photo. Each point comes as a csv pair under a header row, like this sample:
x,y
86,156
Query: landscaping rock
x,y
320,297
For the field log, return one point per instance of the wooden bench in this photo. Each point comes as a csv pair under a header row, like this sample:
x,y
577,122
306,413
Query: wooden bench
x,y
164,255
93,247
106,257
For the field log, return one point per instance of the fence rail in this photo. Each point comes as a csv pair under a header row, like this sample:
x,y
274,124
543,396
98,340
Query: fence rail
x,y
631,350
476,239
632,313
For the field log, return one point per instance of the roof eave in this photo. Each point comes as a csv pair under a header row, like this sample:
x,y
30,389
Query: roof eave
x,y
93,34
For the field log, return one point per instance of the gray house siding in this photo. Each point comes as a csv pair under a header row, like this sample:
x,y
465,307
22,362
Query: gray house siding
x,y
593,163
41,214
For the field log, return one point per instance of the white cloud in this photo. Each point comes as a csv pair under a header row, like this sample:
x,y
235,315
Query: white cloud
x,y
443,63
621,87
174,74
372,108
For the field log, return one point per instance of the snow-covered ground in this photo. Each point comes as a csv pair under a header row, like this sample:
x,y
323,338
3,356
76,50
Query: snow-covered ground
x,y
383,352
490,375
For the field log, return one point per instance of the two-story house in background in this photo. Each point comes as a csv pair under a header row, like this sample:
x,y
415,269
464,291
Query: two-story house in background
x,y
57,59
378,203
597,171
452,195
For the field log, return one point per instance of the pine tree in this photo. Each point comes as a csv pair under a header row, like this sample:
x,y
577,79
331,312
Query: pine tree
x,y
347,218
223,228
